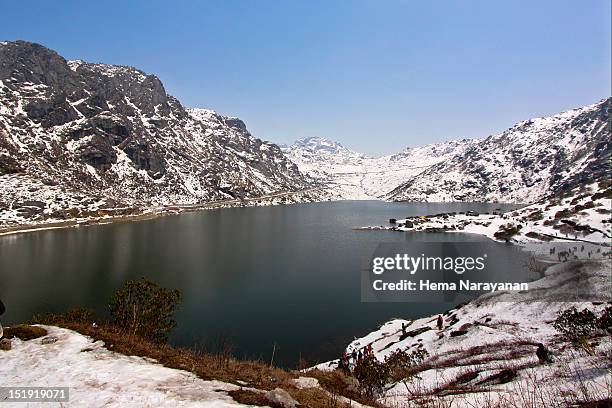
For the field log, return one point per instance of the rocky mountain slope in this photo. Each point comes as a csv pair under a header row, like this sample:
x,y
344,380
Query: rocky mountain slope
x,y
353,175
529,161
77,137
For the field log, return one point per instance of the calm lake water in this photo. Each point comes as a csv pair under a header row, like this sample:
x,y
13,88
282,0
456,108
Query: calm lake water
x,y
284,275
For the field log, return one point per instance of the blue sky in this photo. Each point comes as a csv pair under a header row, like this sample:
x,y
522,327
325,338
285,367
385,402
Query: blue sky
x,y
377,76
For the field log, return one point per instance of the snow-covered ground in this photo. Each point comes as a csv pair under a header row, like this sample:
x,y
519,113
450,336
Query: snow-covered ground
x,y
98,377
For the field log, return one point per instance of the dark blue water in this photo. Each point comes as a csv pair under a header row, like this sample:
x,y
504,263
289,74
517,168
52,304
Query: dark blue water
x,y
284,275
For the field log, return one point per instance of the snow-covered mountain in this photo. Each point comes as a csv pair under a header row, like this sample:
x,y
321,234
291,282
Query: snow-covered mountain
x,y
83,140
353,175
77,136
527,162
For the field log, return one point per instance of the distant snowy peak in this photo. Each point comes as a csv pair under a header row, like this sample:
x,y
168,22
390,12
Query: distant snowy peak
x,y
354,175
322,145
317,154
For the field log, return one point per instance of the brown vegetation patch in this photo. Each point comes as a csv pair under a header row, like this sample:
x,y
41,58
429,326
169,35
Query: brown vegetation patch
x,y
24,332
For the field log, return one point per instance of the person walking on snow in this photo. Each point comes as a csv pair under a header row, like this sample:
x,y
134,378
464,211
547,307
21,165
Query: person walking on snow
x,y
543,355
440,322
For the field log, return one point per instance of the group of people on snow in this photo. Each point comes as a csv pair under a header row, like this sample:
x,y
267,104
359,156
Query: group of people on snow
x,y
349,361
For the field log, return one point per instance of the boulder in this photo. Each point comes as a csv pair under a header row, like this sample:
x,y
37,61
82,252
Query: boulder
x,y
5,344
281,397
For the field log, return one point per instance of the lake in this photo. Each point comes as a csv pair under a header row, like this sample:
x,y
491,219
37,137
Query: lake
x,y
264,276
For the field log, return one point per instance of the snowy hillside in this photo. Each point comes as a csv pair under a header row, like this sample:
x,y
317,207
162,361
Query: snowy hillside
x,y
353,175
582,215
78,137
485,354
527,162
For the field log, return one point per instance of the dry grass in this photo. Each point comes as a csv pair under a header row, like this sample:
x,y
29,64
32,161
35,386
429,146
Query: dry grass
x,y
24,332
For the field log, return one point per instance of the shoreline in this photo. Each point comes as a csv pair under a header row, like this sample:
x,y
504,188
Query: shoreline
x,y
518,243
149,213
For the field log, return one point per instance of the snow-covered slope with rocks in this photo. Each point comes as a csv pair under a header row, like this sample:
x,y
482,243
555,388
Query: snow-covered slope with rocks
x,y
525,163
529,161
583,215
485,354
76,137
353,175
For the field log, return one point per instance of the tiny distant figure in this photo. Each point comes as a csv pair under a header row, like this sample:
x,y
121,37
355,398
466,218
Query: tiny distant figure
x,y
359,356
344,361
440,323
370,350
2,310
403,329
354,356
543,355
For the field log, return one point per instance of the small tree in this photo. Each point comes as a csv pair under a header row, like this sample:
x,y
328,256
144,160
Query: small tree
x,y
144,308
372,375
401,363
577,327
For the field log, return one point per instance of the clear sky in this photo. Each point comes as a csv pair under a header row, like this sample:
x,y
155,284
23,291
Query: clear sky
x,y
375,75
